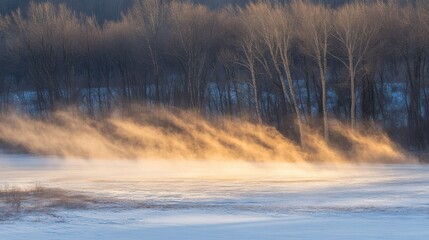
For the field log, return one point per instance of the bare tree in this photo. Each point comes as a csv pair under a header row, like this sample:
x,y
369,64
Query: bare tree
x,y
194,37
354,30
315,26
149,16
411,43
275,30
47,41
249,45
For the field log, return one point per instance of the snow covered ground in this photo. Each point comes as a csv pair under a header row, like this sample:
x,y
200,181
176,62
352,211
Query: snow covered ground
x,y
164,201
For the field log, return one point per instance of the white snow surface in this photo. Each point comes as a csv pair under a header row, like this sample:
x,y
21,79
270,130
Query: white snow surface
x,y
358,202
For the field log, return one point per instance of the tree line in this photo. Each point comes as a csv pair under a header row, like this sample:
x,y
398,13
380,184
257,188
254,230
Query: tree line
x,y
289,64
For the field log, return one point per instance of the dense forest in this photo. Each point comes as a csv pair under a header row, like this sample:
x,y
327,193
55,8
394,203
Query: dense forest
x,y
287,64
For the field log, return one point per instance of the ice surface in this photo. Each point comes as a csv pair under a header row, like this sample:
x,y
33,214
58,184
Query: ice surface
x,y
358,202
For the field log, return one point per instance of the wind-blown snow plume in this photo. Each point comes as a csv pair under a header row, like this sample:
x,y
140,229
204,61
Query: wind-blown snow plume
x,y
180,135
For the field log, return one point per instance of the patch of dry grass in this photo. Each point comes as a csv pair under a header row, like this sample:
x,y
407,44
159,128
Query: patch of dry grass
x,y
16,202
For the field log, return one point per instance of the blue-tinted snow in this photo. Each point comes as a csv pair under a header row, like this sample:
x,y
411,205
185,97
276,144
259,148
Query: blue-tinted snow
x,y
359,202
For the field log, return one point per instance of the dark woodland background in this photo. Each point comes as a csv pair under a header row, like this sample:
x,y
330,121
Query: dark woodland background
x,y
282,63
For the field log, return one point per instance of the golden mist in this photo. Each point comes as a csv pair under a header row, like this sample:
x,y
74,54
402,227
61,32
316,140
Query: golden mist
x,y
179,135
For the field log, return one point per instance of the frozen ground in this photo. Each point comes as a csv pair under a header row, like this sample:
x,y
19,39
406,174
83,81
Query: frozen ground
x,y
141,201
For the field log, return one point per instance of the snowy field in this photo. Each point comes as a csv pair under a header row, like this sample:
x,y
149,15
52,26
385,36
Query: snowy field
x,y
180,200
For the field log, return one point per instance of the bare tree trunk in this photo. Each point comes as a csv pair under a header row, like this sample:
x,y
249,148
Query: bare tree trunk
x,y
255,94
325,110
293,97
352,92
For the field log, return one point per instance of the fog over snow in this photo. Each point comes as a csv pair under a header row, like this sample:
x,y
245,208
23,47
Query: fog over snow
x,y
149,200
